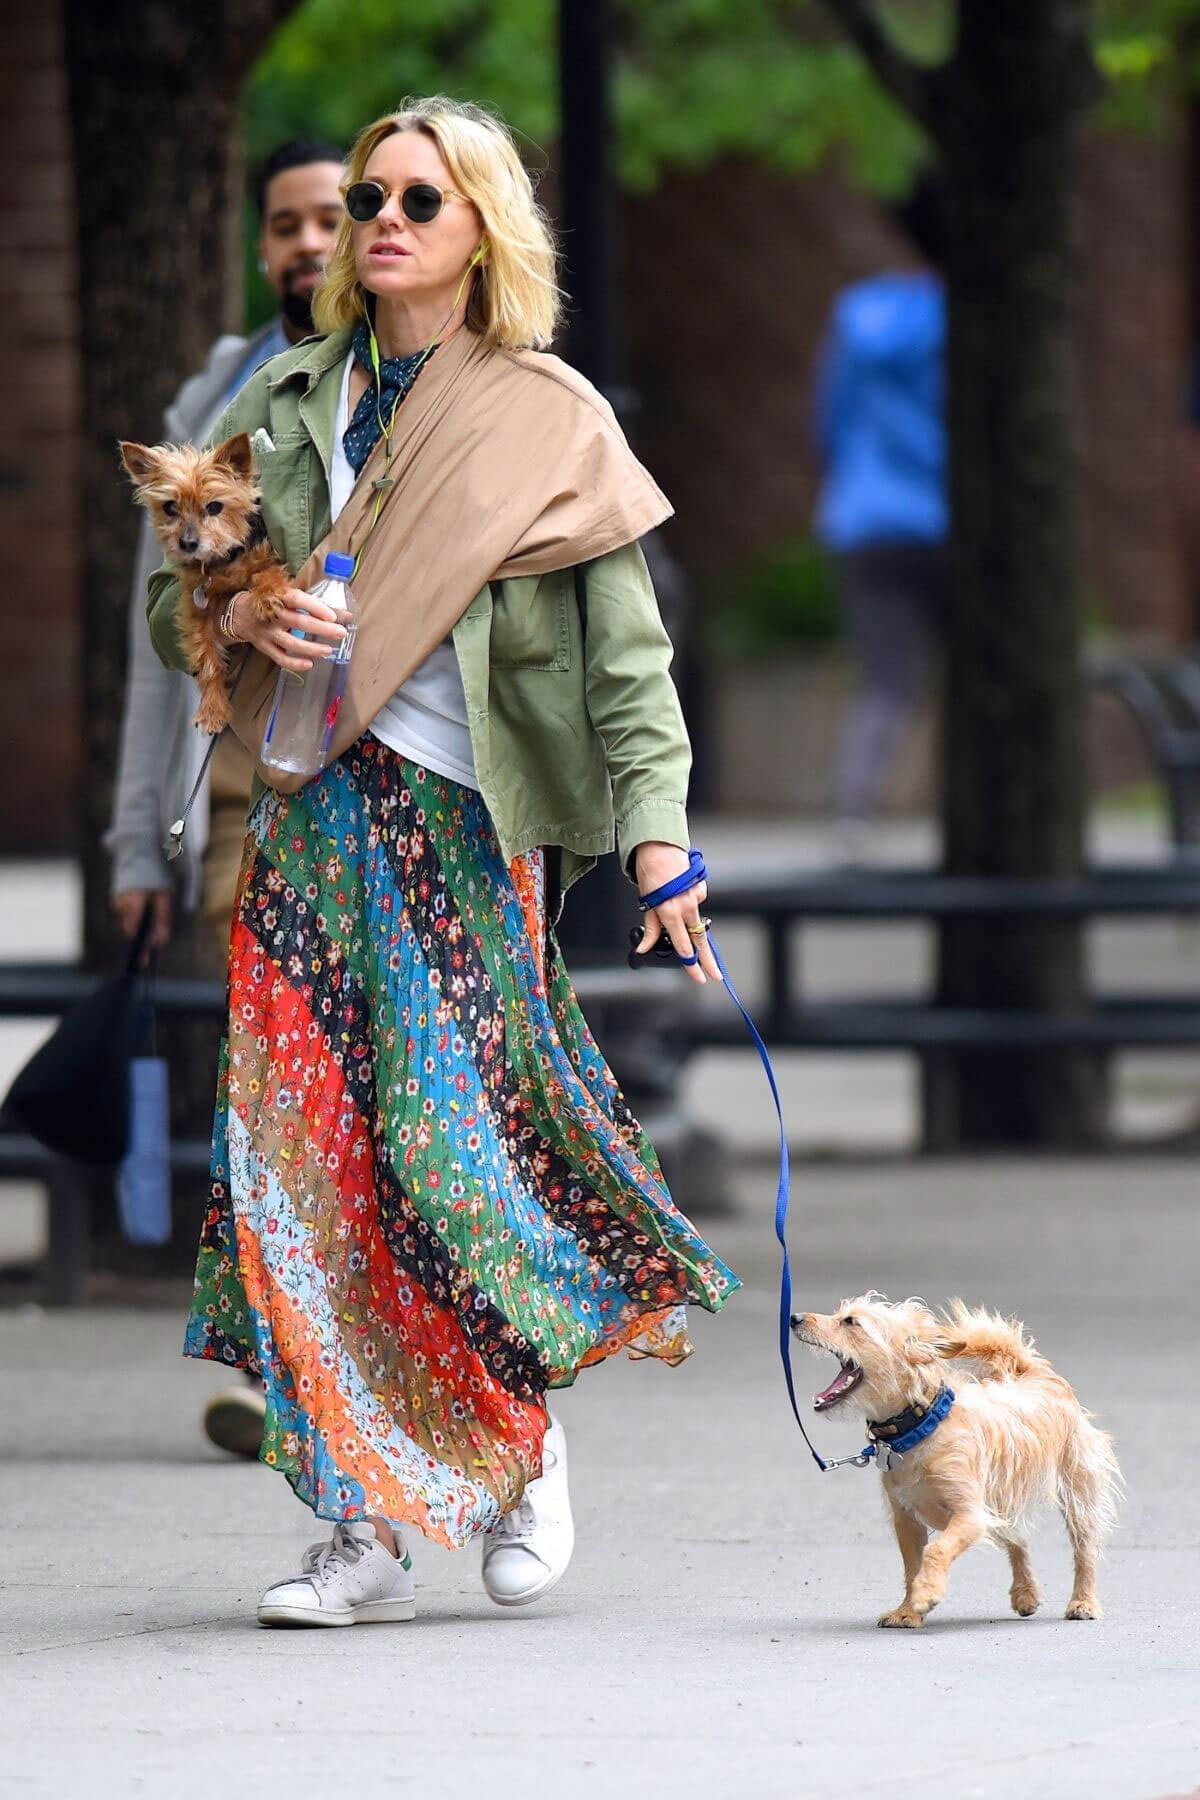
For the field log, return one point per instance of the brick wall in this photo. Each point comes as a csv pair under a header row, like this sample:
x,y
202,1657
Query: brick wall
x,y
731,275
1134,371
39,390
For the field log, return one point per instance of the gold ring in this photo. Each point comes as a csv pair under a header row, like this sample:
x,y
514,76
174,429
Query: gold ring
x,y
700,930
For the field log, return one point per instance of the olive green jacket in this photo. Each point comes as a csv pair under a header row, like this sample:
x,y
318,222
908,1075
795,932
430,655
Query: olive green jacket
x,y
577,735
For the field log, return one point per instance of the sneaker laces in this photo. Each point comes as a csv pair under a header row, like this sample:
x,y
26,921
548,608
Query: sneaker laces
x,y
321,1560
518,1526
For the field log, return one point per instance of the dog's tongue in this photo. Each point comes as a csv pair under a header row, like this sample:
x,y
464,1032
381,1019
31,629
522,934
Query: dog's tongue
x,y
841,1384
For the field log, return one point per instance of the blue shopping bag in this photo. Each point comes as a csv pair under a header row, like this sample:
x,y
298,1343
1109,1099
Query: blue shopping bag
x,y
144,1173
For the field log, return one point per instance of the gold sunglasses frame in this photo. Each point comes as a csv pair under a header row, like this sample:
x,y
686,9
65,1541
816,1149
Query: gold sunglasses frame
x,y
388,192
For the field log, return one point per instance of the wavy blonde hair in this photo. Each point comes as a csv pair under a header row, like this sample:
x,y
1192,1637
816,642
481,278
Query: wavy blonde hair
x,y
515,299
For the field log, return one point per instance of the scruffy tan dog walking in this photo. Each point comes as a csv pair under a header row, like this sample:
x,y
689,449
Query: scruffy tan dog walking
x,y
971,1461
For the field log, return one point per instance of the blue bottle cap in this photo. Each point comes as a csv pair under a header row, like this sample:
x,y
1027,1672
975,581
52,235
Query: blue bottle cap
x,y
337,563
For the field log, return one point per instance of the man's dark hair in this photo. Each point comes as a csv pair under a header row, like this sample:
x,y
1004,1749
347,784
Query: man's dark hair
x,y
295,154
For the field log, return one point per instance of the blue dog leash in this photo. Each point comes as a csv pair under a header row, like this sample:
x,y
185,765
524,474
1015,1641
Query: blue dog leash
x,y
878,1449
695,873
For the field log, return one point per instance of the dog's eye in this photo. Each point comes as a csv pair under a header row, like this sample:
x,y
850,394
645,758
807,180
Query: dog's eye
x,y
850,1321
170,508
215,506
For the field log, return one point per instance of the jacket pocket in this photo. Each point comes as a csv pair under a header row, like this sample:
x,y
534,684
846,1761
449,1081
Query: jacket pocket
x,y
283,482
530,622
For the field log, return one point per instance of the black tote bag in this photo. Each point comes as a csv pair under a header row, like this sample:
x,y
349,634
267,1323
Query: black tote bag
x,y
73,1093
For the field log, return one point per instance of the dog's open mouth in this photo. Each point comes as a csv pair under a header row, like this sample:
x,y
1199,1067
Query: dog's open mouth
x,y
843,1384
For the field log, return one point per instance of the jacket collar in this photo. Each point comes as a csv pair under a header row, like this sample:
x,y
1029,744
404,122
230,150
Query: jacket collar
x,y
312,371
314,358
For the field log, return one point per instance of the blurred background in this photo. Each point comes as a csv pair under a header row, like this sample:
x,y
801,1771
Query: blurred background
x,y
900,303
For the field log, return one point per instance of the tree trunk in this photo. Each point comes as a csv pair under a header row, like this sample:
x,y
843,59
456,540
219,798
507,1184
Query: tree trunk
x,y
1012,104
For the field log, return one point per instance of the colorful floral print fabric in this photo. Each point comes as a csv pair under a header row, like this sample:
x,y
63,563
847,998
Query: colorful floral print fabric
x,y
430,1202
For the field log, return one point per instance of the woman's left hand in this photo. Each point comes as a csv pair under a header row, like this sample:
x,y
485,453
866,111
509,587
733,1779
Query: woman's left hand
x,y
657,864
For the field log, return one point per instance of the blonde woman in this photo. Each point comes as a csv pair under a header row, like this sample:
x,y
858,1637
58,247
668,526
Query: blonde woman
x,y
431,1204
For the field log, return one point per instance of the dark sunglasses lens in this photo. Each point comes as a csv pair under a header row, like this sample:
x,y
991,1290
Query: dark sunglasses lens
x,y
364,199
422,203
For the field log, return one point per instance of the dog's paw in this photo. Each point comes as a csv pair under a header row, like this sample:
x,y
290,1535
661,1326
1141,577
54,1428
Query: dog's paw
x,y
264,605
1025,1601
903,1619
213,713
1088,1608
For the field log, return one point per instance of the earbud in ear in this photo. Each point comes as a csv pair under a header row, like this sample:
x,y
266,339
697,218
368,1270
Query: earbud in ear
x,y
480,254
262,265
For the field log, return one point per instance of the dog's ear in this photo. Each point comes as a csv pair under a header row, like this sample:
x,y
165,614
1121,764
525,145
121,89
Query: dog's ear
x,y
141,462
925,1335
236,455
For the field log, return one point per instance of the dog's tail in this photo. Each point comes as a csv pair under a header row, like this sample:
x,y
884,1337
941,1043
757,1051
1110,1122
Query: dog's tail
x,y
1090,1483
999,1344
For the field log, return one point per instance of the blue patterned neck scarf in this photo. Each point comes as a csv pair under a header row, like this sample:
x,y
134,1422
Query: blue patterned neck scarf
x,y
396,375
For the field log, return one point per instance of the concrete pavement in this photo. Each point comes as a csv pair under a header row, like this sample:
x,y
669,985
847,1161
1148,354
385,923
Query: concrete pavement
x,y
715,1633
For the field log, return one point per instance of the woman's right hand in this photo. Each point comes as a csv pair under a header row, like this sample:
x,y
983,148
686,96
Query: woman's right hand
x,y
300,612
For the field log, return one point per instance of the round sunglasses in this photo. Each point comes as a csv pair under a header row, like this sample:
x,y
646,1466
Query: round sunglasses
x,y
421,201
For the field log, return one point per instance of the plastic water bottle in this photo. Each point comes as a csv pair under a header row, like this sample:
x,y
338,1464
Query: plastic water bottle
x,y
305,708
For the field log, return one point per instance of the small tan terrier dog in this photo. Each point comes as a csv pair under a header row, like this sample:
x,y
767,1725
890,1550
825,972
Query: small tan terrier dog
x,y
1013,1435
208,519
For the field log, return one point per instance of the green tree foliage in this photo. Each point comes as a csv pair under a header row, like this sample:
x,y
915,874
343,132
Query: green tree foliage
x,y
336,64
695,78
1148,52
770,80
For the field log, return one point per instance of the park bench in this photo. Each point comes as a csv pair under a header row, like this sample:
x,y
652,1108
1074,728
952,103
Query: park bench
x,y
1162,691
781,902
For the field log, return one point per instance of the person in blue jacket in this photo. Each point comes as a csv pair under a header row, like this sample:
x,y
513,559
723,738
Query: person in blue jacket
x,y
883,511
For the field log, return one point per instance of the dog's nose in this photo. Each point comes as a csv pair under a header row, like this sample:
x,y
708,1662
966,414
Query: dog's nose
x,y
797,1321
188,543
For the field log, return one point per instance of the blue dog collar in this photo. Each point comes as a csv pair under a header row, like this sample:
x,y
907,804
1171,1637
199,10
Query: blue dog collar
x,y
924,1428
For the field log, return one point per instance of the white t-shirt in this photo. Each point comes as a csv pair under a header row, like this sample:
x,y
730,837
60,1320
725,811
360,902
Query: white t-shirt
x,y
426,718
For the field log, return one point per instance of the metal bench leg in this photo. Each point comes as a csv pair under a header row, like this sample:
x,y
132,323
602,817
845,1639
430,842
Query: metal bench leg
x,y
780,974
1180,811
69,1255
939,1102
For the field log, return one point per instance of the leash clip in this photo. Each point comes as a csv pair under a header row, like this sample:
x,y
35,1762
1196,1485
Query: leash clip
x,y
862,1461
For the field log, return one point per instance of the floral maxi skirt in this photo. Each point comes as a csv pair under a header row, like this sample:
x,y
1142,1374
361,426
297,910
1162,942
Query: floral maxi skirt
x,y
430,1202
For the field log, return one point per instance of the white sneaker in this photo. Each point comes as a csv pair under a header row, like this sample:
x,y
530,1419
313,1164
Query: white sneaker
x,y
352,1580
526,1552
